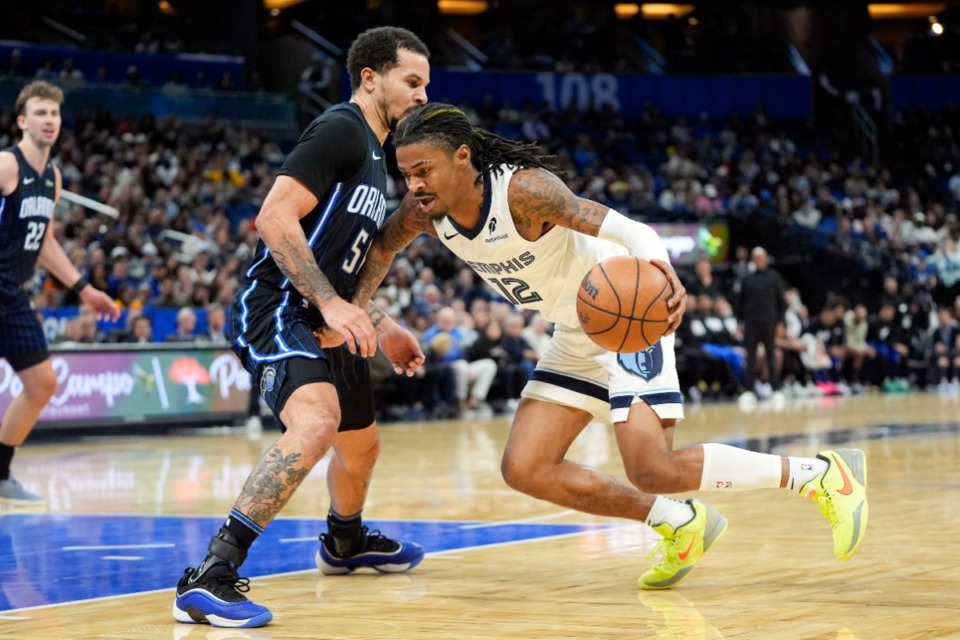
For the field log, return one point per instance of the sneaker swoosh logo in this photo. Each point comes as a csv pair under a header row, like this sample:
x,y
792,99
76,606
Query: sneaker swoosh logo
x,y
196,574
847,487
683,556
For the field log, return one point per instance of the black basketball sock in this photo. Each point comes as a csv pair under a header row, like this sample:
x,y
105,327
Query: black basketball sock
x,y
344,533
6,456
245,530
230,545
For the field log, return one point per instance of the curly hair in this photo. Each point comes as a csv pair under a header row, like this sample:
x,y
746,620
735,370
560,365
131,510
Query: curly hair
x,y
378,48
444,125
38,89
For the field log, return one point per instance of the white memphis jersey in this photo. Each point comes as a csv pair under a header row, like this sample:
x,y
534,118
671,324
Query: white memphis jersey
x,y
544,275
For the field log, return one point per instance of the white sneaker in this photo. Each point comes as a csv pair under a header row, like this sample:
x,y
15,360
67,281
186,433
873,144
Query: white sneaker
x,y
778,399
12,492
747,400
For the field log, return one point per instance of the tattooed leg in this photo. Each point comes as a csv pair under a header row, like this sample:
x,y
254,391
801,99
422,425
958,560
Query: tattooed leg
x,y
271,483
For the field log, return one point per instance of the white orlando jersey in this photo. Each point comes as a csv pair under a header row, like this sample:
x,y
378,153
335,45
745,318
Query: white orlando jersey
x,y
544,275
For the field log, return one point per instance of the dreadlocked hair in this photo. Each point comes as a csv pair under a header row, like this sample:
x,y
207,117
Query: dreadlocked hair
x,y
446,126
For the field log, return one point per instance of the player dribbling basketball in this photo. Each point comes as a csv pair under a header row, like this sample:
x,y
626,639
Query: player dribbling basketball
x,y
499,206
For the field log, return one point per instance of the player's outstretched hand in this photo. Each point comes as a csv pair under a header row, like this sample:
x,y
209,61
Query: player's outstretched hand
x,y
101,303
677,302
353,324
401,348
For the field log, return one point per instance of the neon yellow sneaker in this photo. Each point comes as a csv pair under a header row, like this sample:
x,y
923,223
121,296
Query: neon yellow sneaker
x,y
842,495
682,548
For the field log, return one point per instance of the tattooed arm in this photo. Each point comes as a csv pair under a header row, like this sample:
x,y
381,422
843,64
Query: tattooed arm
x,y
400,229
398,345
279,227
539,200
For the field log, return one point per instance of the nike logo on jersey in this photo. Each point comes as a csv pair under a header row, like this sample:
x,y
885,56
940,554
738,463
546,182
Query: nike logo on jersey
x,y
450,237
376,157
28,180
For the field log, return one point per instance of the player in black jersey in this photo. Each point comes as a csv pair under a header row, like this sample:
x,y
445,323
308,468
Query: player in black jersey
x,y
315,226
29,187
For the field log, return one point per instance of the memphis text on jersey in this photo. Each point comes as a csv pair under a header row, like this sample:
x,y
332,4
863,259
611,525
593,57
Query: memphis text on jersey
x,y
512,265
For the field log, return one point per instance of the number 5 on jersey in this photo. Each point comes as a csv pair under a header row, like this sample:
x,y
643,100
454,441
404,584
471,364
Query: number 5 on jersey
x,y
357,252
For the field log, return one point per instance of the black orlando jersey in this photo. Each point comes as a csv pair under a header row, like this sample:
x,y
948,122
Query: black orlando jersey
x,y
25,215
338,158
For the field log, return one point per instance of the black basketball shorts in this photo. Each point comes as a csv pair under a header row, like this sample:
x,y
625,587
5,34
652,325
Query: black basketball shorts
x,y
275,343
22,342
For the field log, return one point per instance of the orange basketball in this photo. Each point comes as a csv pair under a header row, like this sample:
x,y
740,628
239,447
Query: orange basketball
x,y
622,304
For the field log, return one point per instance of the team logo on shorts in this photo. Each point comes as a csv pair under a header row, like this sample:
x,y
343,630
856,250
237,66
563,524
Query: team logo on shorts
x,y
268,379
647,364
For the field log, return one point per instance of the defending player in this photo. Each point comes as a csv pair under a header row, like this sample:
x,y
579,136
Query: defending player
x,y
315,226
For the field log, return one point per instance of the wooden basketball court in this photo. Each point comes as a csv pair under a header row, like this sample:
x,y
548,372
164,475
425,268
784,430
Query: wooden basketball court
x,y
499,564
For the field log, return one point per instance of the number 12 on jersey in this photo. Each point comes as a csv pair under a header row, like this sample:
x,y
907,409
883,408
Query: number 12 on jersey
x,y
515,290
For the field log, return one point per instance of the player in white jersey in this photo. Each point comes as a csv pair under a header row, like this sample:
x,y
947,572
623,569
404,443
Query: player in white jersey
x,y
498,205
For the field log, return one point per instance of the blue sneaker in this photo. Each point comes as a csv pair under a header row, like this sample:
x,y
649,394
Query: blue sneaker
x,y
213,594
375,550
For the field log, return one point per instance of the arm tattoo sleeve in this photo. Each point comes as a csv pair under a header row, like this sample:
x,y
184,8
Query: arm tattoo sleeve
x,y
398,231
300,267
538,198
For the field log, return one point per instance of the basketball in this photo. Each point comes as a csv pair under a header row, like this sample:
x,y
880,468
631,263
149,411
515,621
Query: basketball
x,y
622,304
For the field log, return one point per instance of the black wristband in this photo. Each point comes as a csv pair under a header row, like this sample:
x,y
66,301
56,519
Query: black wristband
x,y
78,286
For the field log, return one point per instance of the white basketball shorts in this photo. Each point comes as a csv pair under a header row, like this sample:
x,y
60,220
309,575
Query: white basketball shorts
x,y
575,372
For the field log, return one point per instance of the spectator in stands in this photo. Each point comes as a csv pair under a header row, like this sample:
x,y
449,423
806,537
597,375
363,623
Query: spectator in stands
x,y
537,333
119,272
887,337
186,326
704,282
946,359
216,326
70,73
14,66
521,357
131,79
720,338
46,70
141,330
858,351
472,380
175,85
816,357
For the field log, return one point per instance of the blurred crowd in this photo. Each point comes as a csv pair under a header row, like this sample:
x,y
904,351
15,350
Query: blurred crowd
x,y
187,198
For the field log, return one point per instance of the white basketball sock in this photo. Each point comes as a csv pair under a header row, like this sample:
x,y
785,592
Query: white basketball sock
x,y
726,467
673,512
803,470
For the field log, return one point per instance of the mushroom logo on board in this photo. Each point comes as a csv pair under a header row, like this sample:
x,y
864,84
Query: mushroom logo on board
x,y
190,373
